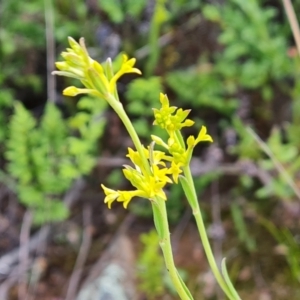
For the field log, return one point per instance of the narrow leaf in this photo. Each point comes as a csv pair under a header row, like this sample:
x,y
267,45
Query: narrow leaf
x,y
184,286
232,290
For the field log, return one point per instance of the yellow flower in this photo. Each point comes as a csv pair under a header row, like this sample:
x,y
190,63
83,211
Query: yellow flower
x,y
74,91
159,141
160,175
97,80
126,67
111,195
120,196
126,196
135,157
175,170
147,185
203,136
169,117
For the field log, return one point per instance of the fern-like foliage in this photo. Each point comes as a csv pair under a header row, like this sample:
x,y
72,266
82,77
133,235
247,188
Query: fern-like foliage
x,y
253,42
44,159
89,124
6,100
284,152
203,87
34,154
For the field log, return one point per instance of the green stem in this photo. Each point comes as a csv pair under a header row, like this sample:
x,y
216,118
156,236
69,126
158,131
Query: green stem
x,y
203,235
118,108
161,212
165,244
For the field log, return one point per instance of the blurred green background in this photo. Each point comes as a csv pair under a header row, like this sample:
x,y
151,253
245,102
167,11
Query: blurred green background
x,y
232,62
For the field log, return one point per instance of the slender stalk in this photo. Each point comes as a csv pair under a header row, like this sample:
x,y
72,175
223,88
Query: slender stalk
x,y
118,108
165,244
203,235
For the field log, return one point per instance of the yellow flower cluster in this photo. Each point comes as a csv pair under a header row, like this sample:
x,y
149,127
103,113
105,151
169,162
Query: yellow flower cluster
x,y
147,185
98,80
166,119
173,120
151,185
152,169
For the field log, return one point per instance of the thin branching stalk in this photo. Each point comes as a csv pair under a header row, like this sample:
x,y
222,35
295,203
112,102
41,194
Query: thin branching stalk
x,y
193,200
82,255
24,255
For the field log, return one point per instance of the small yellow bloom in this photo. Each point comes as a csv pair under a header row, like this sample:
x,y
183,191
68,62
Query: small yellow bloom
x,y
111,195
98,80
126,196
126,67
159,141
169,117
203,136
175,170
160,175
73,59
159,157
71,91
135,157
74,91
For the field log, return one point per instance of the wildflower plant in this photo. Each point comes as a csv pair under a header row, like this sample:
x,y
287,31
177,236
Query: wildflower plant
x,y
152,170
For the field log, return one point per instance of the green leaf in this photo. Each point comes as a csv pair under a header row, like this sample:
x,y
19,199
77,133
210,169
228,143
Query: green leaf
x,y
184,286
113,8
79,120
157,217
134,7
241,228
68,170
30,196
228,281
211,12
143,94
50,211
187,190
77,146
85,163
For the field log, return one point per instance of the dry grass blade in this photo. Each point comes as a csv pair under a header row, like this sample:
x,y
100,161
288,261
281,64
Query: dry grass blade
x,y
24,255
288,6
82,256
49,20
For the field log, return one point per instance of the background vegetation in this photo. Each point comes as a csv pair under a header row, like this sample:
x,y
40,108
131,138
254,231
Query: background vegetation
x,y
233,63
